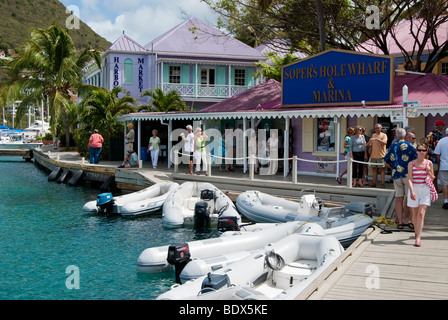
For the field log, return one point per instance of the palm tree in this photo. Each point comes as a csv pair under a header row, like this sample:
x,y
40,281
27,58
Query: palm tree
x,y
161,102
100,109
273,70
50,69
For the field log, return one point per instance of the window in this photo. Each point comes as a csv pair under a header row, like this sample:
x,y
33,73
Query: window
x,y
207,76
325,134
128,71
240,77
174,74
444,68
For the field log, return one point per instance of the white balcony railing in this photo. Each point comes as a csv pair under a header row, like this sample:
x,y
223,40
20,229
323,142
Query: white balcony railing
x,y
188,90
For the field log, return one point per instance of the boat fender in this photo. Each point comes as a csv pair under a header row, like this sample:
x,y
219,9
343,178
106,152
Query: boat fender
x,y
54,175
228,224
201,216
64,176
178,256
107,184
76,178
214,282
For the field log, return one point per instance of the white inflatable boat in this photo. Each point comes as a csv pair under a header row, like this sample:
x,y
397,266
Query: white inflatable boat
x,y
280,270
199,204
221,250
138,203
346,223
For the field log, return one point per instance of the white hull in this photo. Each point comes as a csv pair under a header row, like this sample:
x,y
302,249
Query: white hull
x,y
280,270
138,203
178,209
265,208
153,260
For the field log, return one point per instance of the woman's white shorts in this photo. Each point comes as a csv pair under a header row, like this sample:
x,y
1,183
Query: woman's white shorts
x,y
422,196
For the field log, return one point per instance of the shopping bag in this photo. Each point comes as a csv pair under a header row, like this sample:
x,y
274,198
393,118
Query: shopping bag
x,y
432,189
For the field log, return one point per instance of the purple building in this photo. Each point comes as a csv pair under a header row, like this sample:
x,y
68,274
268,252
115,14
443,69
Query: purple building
x,y
200,62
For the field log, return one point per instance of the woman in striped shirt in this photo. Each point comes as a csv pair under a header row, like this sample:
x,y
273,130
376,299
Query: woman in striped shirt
x,y
419,197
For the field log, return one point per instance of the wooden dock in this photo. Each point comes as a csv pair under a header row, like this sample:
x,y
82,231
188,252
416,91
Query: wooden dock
x,y
27,154
386,266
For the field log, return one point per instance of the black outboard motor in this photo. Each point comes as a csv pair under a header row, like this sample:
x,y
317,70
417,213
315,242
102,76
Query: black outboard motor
x,y
105,203
208,194
178,255
228,224
201,216
215,282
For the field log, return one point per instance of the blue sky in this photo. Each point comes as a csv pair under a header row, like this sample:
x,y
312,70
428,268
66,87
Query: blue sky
x,y
142,20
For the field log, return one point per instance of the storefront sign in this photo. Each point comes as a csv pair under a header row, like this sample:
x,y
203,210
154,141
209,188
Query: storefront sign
x,y
338,77
116,72
141,62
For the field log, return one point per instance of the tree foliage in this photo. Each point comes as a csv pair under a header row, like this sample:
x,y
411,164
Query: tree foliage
x,y
343,25
164,102
99,110
49,69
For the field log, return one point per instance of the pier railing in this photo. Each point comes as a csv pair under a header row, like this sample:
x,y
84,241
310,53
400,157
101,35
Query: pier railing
x,y
295,161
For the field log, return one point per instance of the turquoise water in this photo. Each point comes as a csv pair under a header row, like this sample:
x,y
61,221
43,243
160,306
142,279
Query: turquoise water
x,y
46,241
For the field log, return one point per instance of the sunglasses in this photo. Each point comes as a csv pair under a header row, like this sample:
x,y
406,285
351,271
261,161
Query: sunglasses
x,y
421,150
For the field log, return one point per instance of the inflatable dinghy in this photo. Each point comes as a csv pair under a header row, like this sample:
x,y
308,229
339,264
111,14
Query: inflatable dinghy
x,y
280,270
153,260
135,204
199,204
346,223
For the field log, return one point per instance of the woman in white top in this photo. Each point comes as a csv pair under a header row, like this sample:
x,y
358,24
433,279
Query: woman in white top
x,y
419,197
154,147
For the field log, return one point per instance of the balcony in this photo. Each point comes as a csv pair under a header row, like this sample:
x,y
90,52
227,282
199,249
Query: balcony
x,y
188,90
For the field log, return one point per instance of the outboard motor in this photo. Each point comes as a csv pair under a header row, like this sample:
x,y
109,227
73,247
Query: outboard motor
x,y
214,282
228,224
201,216
105,203
178,256
209,196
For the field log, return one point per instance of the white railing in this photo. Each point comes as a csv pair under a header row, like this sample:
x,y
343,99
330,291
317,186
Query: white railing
x,y
295,160
204,91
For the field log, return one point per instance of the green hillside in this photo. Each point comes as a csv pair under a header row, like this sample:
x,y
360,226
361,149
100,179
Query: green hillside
x,y
19,17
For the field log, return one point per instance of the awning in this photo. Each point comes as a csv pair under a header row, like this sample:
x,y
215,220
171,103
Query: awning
x,y
383,111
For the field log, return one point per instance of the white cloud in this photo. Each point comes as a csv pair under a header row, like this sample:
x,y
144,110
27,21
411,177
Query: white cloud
x,y
141,21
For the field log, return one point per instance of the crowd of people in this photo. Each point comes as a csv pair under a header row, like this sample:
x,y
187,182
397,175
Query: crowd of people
x,y
418,167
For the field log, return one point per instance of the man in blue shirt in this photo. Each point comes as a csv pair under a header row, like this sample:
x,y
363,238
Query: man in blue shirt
x,y
433,138
397,158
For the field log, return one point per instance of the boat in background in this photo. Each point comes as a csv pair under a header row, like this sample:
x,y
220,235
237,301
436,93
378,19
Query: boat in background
x,y
12,139
38,129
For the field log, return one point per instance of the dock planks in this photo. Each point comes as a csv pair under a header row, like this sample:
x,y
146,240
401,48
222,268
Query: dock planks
x,y
391,268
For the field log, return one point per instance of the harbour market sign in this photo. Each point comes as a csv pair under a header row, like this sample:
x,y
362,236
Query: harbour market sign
x,y
338,78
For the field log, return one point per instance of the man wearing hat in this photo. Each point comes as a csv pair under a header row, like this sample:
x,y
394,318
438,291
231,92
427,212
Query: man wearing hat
x,y
130,137
433,138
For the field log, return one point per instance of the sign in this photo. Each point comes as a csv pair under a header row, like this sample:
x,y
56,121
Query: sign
x,y
141,62
338,77
411,109
116,72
